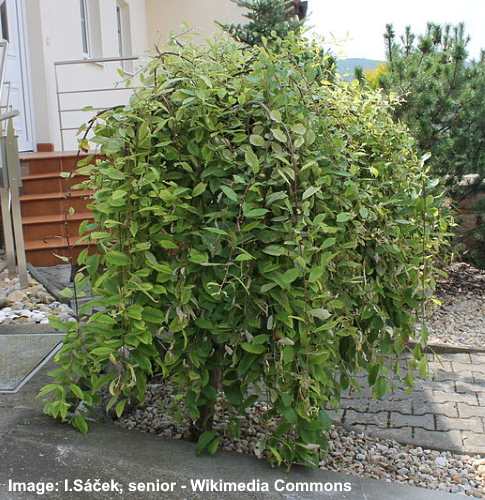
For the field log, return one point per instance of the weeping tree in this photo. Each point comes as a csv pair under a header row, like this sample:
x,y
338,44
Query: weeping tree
x,y
267,18
260,235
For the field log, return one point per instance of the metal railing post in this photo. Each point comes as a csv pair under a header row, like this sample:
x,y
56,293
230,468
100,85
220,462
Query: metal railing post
x,y
8,237
60,93
15,180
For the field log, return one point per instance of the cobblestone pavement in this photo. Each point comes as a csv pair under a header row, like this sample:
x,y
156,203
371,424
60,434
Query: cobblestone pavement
x,y
444,412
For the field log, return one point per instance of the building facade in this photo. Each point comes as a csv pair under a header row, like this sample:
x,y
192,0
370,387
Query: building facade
x,y
53,65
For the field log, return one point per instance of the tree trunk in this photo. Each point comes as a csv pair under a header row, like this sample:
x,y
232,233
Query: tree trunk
x,y
206,419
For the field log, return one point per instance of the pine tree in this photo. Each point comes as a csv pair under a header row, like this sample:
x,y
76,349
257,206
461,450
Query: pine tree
x,y
267,17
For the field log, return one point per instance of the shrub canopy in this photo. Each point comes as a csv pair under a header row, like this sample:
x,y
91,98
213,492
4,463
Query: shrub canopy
x,y
259,231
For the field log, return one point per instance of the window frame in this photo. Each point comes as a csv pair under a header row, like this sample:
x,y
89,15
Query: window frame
x,y
123,30
85,35
91,29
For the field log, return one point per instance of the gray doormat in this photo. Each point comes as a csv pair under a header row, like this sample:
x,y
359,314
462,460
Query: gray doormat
x,y
55,279
23,351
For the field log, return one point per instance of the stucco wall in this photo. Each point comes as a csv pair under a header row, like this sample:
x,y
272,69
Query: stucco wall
x,y
54,31
167,16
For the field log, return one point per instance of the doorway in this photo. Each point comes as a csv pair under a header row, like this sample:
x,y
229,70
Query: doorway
x,y
17,78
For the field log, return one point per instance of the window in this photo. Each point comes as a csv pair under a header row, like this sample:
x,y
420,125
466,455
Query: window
x,y
124,33
91,28
4,22
84,27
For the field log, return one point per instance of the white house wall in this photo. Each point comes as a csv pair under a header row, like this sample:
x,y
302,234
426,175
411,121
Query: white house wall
x,y
55,35
168,16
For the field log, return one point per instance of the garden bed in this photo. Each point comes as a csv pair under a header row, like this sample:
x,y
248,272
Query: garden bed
x,y
31,305
460,319
349,452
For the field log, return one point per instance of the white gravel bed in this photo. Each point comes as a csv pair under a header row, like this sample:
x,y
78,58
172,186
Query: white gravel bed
x,y
349,452
460,320
29,305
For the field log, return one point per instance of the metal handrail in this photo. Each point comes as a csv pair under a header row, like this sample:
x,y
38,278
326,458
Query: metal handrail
x,y
59,92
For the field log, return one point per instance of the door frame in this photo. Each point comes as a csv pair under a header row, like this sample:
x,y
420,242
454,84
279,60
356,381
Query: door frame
x,y
26,73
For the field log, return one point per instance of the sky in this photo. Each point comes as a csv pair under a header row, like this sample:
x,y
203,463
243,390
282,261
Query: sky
x,y
357,25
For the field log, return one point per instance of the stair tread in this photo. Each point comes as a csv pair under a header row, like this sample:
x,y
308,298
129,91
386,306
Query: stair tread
x,y
46,155
57,195
51,243
42,219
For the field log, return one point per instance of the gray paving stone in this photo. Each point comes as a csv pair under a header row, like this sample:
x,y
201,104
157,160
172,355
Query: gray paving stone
x,y
444,375
466,387
354,417
469,411
444,397
474,442
404,406
434,366
402,435
436,385
448,409
439,440
478,358
476,378
456,357
335,415
422,421
474,424
464,367
358,404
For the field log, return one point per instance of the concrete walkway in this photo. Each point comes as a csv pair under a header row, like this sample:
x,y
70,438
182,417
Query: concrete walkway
x,y
37,450
444,412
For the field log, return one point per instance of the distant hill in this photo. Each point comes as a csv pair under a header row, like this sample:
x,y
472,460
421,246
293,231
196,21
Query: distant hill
x,y
346,67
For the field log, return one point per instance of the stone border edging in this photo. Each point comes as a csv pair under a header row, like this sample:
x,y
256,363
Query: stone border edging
x,y
446,348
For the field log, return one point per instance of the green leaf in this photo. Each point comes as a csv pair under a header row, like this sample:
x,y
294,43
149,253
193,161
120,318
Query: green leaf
x,y
299,129
79,422
135,311
120,408
102,352
320,313
168,245
253,348
257,140
279,135
117,259
290,415
344,217
280,195
243,257
229,193
198,257
275,250
152,315
310,192
275,115
199,189
205,440
76,390
329,242
252,160
256,213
